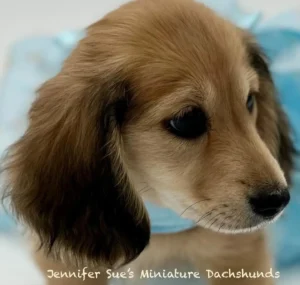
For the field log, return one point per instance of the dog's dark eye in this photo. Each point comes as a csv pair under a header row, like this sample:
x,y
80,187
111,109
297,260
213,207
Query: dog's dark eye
x,y
190,125
250,102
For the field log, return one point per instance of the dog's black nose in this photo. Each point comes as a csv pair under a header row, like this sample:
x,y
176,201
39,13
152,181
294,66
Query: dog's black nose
x,y
268,204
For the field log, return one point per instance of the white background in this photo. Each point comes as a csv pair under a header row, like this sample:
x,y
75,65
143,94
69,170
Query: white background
x,y
22,18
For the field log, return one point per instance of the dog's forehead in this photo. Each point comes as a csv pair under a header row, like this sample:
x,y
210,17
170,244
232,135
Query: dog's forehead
x,y
182,44
188,33
167,45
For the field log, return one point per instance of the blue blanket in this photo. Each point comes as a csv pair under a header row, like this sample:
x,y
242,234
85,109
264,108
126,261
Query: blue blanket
x,y
34,60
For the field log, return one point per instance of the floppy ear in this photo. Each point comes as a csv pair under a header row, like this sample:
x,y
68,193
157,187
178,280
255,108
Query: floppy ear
x,y
272,121
67,176
287,151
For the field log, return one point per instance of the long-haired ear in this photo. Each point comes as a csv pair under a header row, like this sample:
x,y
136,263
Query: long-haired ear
x,y
66,175
287,151
272,121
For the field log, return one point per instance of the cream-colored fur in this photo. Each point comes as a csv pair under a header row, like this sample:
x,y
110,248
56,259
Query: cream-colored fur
x,y
202,249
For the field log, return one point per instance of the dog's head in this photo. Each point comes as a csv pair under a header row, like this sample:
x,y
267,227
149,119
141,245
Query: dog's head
x,y
164,99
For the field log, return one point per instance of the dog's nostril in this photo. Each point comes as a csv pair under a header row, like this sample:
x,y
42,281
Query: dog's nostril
x,y
269,204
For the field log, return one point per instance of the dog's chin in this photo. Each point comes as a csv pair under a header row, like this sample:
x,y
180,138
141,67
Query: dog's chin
x,y
251,225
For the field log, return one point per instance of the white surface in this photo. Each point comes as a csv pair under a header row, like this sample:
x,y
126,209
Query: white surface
x,y
16,267
22,18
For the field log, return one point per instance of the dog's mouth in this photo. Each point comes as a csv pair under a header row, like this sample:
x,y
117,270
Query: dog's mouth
x,y
255,212
232,224
232,219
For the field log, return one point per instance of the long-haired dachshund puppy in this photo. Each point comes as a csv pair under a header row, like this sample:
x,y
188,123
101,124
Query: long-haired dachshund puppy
x,y
169,96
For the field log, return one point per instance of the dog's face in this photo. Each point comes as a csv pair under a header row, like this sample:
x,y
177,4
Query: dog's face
x,y
202,144
162,99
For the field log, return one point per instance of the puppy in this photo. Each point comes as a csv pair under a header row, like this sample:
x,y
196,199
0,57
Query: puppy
x,y
164,96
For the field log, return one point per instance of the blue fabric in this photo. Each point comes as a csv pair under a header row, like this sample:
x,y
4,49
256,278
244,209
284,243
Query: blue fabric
x,y
35,60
